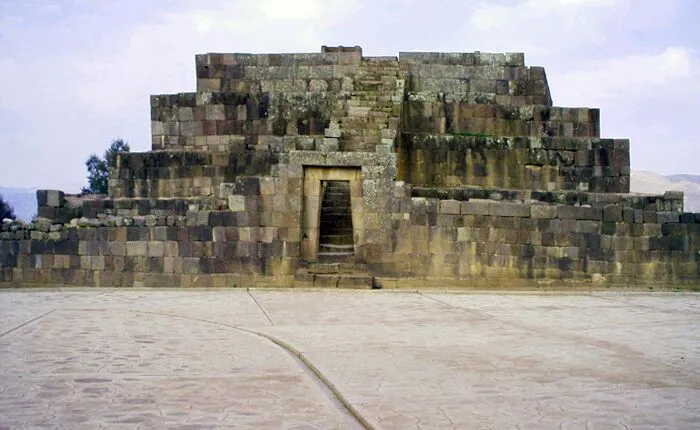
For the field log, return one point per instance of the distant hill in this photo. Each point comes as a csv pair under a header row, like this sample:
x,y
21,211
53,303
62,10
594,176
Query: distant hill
x,y
650,182
684,178
22,200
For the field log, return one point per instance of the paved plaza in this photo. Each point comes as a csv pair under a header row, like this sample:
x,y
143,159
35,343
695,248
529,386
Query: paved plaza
x,y
303,359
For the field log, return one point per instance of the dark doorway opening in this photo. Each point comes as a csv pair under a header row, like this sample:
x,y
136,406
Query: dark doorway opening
x,y
335,242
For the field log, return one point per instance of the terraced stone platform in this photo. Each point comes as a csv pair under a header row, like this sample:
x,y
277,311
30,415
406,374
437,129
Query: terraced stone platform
x,y
348,359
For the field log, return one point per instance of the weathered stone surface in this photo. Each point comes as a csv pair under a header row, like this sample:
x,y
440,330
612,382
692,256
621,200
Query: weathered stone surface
x,y
450,207
544,211
456,166
475,207
236,203
580,212
612,213
503,209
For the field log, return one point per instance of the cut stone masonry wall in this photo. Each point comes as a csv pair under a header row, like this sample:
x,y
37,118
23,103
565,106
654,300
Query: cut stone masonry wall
x,y
460,172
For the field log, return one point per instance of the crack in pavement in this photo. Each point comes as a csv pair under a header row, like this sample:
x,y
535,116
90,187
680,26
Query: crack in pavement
x,y
355,420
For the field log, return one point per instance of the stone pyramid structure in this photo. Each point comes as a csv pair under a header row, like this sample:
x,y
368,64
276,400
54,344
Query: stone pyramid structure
x,y
335,169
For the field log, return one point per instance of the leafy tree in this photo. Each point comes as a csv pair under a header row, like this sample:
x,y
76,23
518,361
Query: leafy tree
x,y
6,210
98,167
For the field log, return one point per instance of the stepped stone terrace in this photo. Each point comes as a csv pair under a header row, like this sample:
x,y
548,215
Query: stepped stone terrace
x,y
334,169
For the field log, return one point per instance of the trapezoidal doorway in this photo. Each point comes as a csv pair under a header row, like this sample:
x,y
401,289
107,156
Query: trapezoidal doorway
x,y
332,220
335,241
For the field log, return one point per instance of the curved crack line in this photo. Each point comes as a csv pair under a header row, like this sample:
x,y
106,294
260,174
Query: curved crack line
x,y
304,362
28,322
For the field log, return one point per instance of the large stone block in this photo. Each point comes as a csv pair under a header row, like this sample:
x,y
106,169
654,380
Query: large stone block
x,y
236,203
191,265
54,198
612,213
450,207
506,209
580,212
156,248
475,207
543,211
137,248
667,217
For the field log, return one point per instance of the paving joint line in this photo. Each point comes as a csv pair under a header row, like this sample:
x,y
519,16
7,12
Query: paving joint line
x,y
27,323
308,366
260,306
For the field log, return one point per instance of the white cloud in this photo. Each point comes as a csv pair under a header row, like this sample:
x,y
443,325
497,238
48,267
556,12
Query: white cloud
x,y
8,24
159,58
306,10
72,81
650,98
288,10
490,16
98,88
545,28
640,76
49,8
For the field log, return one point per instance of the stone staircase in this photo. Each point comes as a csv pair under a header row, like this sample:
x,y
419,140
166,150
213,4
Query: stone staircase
x,y
335,243
334,275
373,108
336,266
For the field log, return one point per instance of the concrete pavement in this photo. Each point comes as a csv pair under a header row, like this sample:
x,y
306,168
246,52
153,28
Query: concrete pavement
x,y
348,359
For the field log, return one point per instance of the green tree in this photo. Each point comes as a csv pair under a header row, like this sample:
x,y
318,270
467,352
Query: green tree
x,y
6,210
98,167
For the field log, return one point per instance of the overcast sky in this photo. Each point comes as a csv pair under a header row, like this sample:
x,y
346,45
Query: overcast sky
x,y
76,74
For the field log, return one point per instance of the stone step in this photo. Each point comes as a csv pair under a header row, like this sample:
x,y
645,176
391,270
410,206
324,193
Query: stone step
x,y
336,257
361,134
355,143
336,234
343,237
335,210
336,203
353,121
374,130
335,199
336,224
370,133
340,236
325,268
333,194
358,111
316,267
335,216
334,280
334,247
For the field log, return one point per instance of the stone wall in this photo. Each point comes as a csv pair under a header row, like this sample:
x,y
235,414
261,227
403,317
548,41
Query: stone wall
x,y
584,164
476,78
459,171
169,174
611,239
440,117
203,247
